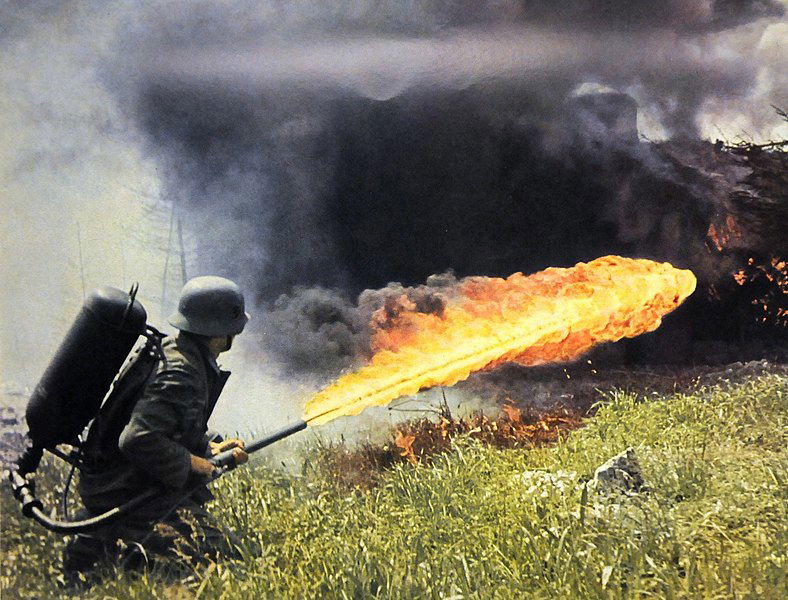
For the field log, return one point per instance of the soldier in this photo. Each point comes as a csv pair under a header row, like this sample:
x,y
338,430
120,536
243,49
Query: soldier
x,y
167,441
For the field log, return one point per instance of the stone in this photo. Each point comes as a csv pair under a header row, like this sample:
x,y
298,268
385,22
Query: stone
x,y
621,475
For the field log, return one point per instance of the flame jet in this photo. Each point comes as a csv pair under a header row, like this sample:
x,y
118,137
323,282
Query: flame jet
x,y
553,315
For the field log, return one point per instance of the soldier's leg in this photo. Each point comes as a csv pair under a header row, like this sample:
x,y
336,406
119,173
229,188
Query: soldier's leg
x,y
188,532
83,551
201,535
139,542
133,541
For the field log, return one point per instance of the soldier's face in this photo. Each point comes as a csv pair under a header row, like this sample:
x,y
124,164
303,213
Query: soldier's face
x,y
221,344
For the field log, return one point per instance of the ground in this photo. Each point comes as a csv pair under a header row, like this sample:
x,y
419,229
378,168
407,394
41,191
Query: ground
x,y
477,521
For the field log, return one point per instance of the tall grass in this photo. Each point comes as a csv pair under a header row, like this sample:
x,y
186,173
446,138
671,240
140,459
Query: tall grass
x,y
713,524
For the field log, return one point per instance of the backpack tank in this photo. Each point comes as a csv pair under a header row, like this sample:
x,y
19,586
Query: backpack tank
x,y
79,375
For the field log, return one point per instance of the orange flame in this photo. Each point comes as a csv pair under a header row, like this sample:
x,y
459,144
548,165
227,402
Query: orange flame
x,y
554,315
774,275
725,233
416,440
405,445
513,413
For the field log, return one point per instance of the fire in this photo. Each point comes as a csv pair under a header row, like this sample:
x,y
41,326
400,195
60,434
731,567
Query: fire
x,y
415,440
770,280
725,233
554,315
405,445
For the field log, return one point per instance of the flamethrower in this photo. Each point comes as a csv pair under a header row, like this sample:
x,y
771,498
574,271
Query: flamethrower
x,y
94,379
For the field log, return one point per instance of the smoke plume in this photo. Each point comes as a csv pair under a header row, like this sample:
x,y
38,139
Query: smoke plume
x,y
338,149
318,150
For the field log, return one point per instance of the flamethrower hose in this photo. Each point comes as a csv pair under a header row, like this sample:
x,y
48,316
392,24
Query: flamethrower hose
x,y
64,497
96,522
32,507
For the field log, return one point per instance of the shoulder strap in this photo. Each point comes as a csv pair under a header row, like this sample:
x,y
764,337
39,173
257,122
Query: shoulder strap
x,y
101,447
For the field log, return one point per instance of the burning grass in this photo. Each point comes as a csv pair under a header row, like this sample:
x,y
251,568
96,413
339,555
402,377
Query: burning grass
x,y
420,440
417,440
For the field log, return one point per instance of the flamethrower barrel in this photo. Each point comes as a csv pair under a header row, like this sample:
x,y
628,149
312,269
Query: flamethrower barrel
x,y
276,436
225,459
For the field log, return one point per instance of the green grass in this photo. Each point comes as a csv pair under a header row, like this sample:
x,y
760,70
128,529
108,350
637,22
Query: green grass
x,y
714,524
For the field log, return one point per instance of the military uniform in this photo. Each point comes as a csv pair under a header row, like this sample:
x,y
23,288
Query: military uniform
x,y
167,426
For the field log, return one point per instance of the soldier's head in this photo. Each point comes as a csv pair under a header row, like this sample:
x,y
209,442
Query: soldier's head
x,y
212,307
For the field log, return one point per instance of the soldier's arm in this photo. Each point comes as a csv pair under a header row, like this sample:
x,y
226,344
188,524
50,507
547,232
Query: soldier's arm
x,y
149,439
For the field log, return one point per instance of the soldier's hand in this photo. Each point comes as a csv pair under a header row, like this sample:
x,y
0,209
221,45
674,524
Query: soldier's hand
x,y
218,447
203,467
240,456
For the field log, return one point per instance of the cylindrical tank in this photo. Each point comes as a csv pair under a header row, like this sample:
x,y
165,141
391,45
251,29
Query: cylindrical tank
x,y
69,393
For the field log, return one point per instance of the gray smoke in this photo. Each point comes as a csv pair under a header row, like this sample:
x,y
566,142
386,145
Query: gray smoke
x,y
323,332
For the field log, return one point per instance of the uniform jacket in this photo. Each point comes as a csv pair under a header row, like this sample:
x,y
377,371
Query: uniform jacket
x,y
167,426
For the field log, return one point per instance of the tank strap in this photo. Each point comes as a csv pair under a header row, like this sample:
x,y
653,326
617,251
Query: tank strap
x,y
154,336
100,451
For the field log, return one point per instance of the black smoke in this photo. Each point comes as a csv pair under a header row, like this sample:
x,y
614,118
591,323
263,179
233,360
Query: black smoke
x,y
322,331
323,152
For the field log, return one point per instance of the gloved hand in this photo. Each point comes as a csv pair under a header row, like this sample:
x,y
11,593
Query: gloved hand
x,y
239,454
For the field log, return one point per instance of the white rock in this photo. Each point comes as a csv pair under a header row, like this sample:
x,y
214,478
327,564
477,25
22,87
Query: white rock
x,y
621,475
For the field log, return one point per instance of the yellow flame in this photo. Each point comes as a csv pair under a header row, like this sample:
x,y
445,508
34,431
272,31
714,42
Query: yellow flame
x,y
554,315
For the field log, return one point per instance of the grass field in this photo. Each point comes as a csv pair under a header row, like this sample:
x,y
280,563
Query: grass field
x,y
465,524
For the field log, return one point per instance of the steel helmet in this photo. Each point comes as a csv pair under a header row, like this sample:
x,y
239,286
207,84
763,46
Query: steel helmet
x,y
210,306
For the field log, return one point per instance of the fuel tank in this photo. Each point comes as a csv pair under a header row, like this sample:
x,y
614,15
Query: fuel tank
x,y
79,375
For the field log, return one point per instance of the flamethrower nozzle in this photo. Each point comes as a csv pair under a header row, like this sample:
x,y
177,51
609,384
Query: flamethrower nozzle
x,y
225,460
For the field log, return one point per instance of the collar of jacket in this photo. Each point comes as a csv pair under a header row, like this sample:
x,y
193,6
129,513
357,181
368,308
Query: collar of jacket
x,y
201,343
